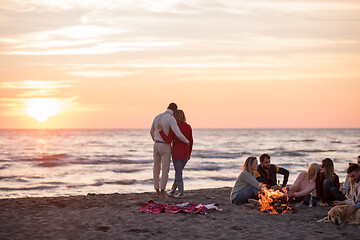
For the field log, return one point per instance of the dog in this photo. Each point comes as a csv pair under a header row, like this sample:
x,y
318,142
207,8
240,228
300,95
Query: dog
x,y
337,216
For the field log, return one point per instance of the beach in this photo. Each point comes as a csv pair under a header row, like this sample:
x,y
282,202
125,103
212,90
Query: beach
x,y
118,216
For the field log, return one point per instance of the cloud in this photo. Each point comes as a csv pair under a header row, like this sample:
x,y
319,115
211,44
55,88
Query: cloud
x,y
37,84
36,88
87,47
96,74
106,27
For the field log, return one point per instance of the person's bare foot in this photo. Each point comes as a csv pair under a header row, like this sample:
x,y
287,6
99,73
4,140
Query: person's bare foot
x,y
158,194
162,194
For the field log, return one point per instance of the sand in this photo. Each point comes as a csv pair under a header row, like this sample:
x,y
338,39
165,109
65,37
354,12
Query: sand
x,y
118,216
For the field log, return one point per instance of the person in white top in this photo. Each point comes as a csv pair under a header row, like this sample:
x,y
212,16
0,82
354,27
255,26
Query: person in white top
x,y
162,150
353,196
347,186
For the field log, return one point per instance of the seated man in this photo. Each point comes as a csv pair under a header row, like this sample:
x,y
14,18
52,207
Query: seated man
x,y
353,196
266,172
346,187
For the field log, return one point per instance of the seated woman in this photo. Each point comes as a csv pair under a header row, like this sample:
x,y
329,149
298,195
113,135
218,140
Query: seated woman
x,y
304,183
327,185
246,185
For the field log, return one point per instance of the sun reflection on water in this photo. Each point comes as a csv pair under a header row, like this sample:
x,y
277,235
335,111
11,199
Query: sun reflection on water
x,y
41,147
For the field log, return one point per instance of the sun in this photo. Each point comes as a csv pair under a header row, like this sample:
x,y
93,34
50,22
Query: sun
x,y
42,108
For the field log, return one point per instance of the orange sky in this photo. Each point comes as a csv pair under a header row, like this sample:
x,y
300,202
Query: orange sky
x,y
227,64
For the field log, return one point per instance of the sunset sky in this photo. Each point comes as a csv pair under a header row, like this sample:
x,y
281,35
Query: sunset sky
x,y
227,64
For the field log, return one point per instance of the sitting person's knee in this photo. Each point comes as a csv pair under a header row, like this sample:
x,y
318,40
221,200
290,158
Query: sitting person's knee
x,y
327,183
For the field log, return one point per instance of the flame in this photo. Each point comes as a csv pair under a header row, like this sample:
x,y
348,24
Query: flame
x,y
273,201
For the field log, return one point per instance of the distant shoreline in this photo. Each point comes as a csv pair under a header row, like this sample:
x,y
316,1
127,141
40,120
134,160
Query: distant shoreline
x,y
100,129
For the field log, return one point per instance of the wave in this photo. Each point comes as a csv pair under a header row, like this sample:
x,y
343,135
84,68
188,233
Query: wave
x,y
20,178
318,150
303,140
47,157
28,188
5,166
290,153
96,184
289,165
102,182
204,168
29,148
123,182
52,157
225,179
304,152
54,183
51,164
110,161
217,154
126,170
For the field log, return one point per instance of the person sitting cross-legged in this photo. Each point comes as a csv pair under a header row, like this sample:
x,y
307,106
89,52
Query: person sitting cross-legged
x,y
246,186
266,173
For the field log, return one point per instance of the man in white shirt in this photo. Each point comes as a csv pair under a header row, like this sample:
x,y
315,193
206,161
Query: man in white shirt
x,y
347,186
162,150
353,196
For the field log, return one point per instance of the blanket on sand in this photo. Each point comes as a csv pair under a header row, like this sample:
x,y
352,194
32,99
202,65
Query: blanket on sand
x,y
152,207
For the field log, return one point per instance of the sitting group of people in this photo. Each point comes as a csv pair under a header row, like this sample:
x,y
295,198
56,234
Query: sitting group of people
x,y
319,185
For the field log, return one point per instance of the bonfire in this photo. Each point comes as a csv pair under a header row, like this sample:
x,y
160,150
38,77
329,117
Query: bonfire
x,y
274,201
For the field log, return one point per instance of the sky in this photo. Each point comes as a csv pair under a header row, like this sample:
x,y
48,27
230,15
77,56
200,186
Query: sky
x,y
227,64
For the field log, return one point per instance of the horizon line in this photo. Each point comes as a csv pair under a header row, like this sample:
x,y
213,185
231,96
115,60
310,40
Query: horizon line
x,y
217,128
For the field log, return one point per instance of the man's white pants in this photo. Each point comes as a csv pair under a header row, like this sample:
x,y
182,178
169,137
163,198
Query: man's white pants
x,y
162,157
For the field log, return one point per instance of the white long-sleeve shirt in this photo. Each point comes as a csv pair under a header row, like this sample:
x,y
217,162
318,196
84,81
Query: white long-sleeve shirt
x,y
353,196
167,122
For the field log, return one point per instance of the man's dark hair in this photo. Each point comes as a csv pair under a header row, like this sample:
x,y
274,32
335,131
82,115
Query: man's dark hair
x,y
353,167
172,106
263,156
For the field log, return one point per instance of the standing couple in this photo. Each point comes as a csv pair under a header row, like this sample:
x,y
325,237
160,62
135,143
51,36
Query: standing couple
x,y
170,127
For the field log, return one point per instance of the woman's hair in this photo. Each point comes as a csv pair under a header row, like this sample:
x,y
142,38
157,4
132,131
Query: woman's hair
x,y
247,164
328,165
315,168
179,115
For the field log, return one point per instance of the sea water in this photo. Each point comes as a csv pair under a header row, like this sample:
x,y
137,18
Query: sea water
x,y
78,162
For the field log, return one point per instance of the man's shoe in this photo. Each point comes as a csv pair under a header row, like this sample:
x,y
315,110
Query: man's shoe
x,y
178,196
170,194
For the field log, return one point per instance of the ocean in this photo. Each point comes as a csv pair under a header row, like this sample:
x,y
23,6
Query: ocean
x,y
47,163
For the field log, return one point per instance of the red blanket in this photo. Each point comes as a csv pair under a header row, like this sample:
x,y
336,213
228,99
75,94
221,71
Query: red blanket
x,y
152,207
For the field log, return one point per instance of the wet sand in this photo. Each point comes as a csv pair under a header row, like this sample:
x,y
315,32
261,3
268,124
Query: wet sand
x,y
118,216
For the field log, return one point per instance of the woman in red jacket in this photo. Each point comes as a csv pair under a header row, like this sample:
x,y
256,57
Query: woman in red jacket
x,y
180,151
327,185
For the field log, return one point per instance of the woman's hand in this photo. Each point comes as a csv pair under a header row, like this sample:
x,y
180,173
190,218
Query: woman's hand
x,y
339,203
290,194
160,128
276,187
324,204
